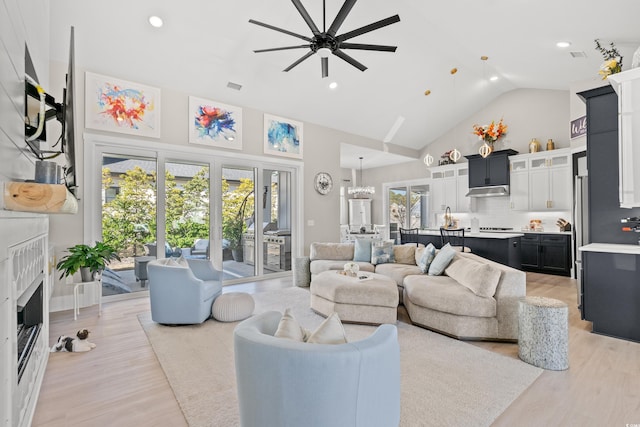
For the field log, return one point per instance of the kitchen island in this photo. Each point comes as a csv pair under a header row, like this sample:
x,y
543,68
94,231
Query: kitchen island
x,y
499,247
610,295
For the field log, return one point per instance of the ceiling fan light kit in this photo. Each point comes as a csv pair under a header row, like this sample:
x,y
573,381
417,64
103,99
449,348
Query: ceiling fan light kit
x,y
327,42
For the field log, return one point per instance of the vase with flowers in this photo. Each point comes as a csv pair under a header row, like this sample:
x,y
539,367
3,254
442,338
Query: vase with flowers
x,y
612,60
490,133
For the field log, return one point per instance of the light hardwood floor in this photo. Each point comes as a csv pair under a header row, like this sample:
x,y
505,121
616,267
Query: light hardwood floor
x,y
121,382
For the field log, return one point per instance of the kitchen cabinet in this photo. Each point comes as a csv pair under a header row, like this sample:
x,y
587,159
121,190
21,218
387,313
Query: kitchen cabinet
x,y
519,191
550,182
499,247
546,253
611,291
627,86
492,170
603,165
448,187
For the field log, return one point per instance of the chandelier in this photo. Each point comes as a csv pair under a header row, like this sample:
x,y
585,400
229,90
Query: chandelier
x,y
361,191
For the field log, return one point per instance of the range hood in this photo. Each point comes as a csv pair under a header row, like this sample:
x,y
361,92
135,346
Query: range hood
x,y
490,191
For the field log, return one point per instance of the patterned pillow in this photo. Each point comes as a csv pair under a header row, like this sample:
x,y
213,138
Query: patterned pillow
x,y
428,254
382,252
442,260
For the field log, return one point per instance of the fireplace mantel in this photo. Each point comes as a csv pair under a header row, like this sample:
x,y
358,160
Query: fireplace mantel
x,y
23,265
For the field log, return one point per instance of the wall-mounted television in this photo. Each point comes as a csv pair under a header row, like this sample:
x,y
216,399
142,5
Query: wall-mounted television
x,y
41,107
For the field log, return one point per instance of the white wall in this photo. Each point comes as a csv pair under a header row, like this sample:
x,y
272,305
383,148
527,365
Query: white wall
x,y
529,113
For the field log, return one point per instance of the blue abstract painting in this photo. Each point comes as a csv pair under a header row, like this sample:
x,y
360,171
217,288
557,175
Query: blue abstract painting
x,y
282,137
215,124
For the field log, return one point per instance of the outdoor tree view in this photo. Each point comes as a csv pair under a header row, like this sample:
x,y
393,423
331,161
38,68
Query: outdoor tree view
x,y
129,213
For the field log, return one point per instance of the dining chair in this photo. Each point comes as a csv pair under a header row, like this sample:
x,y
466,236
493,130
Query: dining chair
x,y
455,237
408,235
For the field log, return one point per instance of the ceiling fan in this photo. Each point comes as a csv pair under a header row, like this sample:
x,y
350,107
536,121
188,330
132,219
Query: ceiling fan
x,y
327,41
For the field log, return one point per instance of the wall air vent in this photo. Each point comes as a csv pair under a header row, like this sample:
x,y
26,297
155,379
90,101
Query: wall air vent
x,y
580,54
234,86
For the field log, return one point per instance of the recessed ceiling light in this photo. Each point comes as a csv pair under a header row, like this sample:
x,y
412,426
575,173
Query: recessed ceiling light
x,y
333,85
563,44
493,78
155,21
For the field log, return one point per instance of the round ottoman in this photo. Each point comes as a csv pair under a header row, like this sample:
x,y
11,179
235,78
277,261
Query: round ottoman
x,y
373,300
543,333
232,306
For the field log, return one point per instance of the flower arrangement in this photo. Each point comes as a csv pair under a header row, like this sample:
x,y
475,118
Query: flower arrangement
x,y
490,133
351,268
612,60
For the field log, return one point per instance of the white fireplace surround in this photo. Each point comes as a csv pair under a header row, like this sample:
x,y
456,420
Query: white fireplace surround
x,y
23,266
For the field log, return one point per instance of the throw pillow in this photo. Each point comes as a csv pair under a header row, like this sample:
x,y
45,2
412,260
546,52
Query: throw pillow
x,y
289,327
405,254
428,254
362,252
330,331
442,260
382,252
480,278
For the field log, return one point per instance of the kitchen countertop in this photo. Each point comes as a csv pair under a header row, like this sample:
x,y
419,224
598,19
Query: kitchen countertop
x,y
610,248
482,234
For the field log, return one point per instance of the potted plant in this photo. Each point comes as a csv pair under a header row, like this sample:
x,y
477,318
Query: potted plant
x,y
87,259
232,230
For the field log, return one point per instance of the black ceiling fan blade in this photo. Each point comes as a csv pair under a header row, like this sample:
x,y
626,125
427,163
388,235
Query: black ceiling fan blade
x,y
273,49
340,17
306,17
308,54
368,28
350,60
271,27
325,66
377,47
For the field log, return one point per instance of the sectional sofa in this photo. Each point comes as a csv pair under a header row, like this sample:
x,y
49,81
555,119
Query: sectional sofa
x,y
475,298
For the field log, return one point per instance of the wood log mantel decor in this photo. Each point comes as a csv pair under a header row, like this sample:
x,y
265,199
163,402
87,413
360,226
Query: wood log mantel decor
x,y
35,197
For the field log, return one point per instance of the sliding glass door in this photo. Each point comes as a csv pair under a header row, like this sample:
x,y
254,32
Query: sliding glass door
x,y
129,221
158,203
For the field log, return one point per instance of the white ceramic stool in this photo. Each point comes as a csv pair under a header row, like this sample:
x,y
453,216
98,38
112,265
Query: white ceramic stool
x,y
232,306
543,333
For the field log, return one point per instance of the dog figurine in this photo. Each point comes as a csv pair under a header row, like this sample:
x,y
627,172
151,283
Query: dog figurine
x,y
70,344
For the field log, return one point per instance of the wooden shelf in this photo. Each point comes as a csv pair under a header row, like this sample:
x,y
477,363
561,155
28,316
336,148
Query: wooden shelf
x,y
42,198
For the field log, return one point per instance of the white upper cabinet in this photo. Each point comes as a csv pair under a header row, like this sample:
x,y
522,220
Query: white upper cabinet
x,y
449,186
541,181
627,86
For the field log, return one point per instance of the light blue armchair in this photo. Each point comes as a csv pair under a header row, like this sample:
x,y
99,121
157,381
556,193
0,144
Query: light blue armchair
x,y
287,383
181,294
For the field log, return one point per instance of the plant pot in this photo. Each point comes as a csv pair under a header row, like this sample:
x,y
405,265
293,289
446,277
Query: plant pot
x,y
86,275
238,254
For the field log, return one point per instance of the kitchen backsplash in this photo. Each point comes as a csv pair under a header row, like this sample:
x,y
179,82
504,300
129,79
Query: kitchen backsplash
x,y
496,212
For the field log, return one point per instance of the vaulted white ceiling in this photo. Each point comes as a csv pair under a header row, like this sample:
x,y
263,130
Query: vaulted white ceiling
x,y
206,44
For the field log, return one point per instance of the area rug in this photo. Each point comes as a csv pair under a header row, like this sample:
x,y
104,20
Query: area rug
x,y
445,382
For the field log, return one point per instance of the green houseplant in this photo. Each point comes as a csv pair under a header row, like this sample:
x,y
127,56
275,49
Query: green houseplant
x,y
87,259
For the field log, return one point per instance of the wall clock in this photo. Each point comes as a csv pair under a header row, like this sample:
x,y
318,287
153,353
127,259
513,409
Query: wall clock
x,y
323,183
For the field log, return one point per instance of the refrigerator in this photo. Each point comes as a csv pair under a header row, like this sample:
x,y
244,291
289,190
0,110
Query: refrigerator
x,y
580,228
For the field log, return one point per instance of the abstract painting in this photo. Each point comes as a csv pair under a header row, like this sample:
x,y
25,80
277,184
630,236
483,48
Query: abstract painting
x,y
215,124
120,106
282,137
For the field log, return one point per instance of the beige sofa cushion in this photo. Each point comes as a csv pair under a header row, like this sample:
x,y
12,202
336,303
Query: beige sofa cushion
x,y
480,278
442,293
397,271
332,251
318,266
405,254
